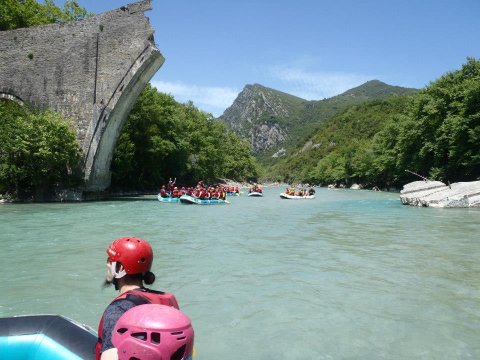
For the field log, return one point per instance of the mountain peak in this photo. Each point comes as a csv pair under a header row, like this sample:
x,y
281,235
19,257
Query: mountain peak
x,y
375,89
270,119
375,82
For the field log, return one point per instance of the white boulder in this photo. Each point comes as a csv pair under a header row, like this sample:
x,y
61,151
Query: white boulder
x,y
437,194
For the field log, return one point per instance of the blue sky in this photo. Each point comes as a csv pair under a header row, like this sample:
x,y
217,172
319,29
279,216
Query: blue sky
x,y
309,48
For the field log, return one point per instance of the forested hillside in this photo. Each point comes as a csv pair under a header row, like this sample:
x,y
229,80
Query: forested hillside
x,y
435,133
275,122
163,138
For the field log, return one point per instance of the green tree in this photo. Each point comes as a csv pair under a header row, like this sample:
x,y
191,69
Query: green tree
x,y
163,138
330,169
38,150
441,137
16,14
435,133
341,149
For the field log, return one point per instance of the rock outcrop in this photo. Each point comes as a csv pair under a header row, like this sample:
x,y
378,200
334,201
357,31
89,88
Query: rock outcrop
x,y
437,194
256,115
266,135
272,120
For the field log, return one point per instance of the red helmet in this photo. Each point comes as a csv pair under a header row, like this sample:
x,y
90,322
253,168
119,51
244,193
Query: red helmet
x,y
133,253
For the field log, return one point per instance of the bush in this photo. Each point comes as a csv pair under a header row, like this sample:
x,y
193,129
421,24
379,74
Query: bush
x,y
38,150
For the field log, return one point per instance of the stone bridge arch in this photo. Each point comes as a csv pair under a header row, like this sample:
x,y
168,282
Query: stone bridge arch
x,y
9,96
91,71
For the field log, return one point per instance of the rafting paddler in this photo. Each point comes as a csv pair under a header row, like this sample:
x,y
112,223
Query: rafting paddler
x,y
163,192
175,193
128,269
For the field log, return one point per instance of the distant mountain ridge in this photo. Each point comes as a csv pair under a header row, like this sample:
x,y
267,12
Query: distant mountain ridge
x,y
263,115
274,122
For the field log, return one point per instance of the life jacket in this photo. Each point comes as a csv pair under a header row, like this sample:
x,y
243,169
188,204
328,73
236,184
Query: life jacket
x,y
138,297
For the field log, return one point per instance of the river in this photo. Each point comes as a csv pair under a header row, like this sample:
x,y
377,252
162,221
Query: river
x,y
348,275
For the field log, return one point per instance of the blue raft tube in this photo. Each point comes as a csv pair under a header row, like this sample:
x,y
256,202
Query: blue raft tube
x,y
41,337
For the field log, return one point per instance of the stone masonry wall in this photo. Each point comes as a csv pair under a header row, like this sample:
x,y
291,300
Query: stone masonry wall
x,y
81,69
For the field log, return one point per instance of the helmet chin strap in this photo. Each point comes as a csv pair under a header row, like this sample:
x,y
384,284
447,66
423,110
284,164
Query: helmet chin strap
x,y
117,275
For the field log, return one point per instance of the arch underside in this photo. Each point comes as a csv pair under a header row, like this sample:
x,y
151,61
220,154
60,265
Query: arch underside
x,y
12,97
110,118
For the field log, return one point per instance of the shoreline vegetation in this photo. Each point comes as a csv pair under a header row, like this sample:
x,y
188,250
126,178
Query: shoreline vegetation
x,y
435,132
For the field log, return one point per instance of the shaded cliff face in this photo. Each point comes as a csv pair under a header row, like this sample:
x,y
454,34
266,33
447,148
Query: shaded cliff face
x,y
261,115
275,122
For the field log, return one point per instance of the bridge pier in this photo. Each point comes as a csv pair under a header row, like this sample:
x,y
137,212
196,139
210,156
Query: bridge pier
x,y
111,117
91,71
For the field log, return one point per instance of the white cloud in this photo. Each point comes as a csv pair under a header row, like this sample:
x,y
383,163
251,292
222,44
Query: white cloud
x,y
293,80
315,85
207,98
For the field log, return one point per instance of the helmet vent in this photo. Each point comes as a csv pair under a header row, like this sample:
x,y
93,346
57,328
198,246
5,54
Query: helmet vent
x,y
177,333
122,331
178,355
140,336
155,338
142,260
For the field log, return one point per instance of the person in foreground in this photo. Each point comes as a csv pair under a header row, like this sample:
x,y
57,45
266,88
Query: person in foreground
x,y
128,269
153,332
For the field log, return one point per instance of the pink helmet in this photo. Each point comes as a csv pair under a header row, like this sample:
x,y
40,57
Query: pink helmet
x,y
153,332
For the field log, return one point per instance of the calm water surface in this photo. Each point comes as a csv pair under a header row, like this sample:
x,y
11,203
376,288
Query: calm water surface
x,y
349,275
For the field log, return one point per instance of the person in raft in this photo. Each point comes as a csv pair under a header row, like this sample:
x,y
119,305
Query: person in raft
x,y
152,332
128,269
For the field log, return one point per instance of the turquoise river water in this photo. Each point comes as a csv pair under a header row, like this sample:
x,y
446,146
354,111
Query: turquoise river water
x,y
348,275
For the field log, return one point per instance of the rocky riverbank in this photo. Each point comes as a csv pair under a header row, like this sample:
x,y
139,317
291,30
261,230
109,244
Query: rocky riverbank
x,y
438,194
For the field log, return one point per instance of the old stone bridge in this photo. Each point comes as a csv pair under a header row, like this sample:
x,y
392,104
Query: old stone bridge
x,y
91,71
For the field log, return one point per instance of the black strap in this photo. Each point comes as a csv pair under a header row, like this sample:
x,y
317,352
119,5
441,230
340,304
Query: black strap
x,y
137,300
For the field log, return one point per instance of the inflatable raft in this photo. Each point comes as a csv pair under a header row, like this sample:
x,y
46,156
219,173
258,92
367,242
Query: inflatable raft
x,y
168,199
42,337
186,199
286,196
255,193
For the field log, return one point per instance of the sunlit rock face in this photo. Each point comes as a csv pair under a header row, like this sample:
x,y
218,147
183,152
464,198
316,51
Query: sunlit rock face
x,y
265,136
254,116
